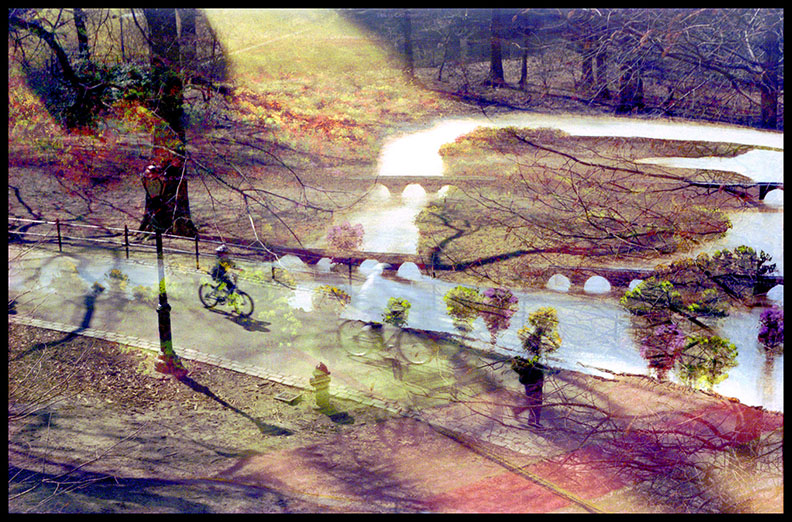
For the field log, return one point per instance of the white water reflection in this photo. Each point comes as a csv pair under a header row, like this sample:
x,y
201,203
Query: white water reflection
x,y
388,229
759,377
757,164
759,230
416,153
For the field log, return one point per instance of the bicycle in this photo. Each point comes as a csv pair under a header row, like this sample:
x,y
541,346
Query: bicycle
x,y
216,292
358,338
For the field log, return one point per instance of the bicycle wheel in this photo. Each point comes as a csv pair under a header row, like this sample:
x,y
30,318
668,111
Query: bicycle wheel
x,y
207,293
358,338
416,348
243,304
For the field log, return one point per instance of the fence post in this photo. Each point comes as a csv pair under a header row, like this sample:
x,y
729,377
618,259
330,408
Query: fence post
x,y
126,240
60,245
197,266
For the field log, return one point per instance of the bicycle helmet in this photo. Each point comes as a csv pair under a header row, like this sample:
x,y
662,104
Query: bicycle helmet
x,y
221,250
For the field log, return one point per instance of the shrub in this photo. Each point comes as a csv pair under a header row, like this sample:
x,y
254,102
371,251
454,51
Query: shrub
x,y
663,347
541,337
117,277
705,361
284,277
329,298
497,308
397,311
146,295
771,327
462,305
651,296
345,238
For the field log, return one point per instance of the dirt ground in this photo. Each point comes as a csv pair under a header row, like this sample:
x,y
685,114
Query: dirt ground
x,y
89,424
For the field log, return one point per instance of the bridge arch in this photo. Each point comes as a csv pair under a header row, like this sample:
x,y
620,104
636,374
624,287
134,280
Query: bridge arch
x,y
379,192
367,266
409,270
290,261
597,285
446,190
324,264
634,283
774,198
413,194
559,283
776,294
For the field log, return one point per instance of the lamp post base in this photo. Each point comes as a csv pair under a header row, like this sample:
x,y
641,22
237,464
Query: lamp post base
x,y
171,366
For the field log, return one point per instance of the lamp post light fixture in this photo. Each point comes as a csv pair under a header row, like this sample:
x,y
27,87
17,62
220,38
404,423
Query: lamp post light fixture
x,y
169,362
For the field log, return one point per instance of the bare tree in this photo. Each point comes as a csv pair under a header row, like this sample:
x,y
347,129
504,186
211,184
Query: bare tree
x,y
496,78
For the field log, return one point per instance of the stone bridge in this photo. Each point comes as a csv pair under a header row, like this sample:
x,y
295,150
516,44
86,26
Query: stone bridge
x,y
591,280
397,184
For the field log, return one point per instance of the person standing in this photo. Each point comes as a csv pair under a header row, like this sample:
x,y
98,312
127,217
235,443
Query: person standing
x,y
531,375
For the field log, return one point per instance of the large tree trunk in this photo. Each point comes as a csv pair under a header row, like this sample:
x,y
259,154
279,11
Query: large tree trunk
x,y
524,65
188,43
603,93
169,140
496,78
768,81
586,85
409,68
630,90
83,49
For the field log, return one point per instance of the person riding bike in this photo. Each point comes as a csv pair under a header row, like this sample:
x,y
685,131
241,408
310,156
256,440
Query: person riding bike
x,y
221,271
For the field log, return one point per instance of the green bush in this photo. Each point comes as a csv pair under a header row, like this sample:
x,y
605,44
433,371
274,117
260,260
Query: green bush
x,y
462,305
397,311
330,298
541,337
705,361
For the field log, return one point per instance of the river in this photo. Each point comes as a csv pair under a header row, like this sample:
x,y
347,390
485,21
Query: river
x,y
595,329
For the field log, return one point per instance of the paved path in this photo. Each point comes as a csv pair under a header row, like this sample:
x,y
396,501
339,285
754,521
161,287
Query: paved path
x,y
604,440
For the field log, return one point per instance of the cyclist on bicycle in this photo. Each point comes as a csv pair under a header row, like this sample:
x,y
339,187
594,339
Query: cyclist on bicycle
x,y
221,271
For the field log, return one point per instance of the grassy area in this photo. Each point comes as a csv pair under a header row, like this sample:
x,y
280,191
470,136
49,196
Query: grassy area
x,y
314,95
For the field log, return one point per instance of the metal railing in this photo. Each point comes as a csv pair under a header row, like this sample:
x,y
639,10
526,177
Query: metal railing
x,y
107,236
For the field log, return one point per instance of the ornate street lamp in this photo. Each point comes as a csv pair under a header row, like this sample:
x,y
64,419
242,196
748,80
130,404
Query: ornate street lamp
x,y
169,363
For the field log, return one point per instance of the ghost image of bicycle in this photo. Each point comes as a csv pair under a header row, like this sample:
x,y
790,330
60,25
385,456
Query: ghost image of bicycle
x,y
359,338
216,293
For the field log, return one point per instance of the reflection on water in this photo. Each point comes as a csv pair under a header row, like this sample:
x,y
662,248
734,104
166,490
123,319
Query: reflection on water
x,y
417,153
757,164
758,378
759,230
388,223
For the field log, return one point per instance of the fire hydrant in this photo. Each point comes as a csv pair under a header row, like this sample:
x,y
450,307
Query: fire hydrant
x,y
321,384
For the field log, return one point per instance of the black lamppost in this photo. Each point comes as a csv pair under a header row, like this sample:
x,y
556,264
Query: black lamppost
x,y
169,361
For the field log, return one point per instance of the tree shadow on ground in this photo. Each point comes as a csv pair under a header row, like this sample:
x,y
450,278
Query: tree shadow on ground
x,y
89,301
79,491
263,427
